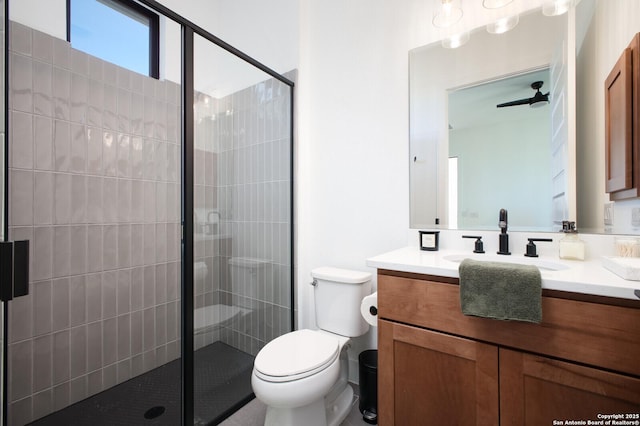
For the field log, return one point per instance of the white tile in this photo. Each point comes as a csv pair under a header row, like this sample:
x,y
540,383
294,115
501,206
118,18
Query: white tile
x,y
137,157
42,88
124,246
149,336
110,247
78,102
94,301
109,344
150,202
149,244
149,116
109,153
149,159
61,357
110,200
94,151
60,304
42,253
78,159
124,291
77,345
21,319
94,248
110,105
124,200
95,103
20,374
137,284
79,249
21,140
61,251
21,197
137,201
160,128
137,114
161,161
124,339
94,348
161,202
124,155
42,362
61,145
21,73
43,198
94,199
61,93
43,138
124,110
137,245
78,199
62,198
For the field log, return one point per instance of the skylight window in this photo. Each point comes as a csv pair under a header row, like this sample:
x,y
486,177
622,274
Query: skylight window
x,y
119,31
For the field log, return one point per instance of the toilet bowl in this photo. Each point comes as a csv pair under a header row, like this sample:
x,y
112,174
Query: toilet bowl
x,y
302,376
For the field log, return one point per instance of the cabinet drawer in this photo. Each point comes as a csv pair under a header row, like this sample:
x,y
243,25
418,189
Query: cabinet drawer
x,y
591,333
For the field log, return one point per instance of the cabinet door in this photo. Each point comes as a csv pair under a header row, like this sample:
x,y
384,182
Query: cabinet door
x,y
430,378
535,390
618,126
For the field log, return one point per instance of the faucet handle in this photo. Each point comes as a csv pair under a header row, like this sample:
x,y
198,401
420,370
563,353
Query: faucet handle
x,y
531,247
479,247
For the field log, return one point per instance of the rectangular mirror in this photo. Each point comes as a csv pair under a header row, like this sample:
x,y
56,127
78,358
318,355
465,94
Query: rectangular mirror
x,y
453,115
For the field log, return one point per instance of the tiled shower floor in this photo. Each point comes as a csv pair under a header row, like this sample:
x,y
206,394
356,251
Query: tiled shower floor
x,y
222,383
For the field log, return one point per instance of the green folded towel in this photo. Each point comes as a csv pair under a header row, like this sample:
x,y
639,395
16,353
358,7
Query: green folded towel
x,y
504,291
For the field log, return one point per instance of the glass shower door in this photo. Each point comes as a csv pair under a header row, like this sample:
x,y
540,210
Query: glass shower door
x,y
242,223
3,61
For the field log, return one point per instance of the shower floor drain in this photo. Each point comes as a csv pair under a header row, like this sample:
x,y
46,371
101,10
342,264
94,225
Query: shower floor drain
x,y
154,412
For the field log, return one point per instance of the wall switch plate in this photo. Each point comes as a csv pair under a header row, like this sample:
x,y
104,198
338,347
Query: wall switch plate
x,y
608,214
635,217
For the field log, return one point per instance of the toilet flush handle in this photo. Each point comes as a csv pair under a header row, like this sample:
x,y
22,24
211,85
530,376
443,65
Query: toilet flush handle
x,y
314,282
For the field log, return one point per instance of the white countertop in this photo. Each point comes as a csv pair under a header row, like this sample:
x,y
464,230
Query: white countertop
x,y
586,277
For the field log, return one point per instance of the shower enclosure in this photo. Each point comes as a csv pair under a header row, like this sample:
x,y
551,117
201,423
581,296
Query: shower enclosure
x,y
159,218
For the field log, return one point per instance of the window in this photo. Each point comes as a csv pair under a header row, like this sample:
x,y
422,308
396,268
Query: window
x,y
119,31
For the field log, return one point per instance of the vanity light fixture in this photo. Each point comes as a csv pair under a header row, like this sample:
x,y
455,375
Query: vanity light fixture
x,y
447,13
503,25
556,7
495,4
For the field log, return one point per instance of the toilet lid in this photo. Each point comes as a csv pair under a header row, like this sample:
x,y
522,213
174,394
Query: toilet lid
x,y
297,354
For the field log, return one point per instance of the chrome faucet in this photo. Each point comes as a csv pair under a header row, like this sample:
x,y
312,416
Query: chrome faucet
x,y
503,237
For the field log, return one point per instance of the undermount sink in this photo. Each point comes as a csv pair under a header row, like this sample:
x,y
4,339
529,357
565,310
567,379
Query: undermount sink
x,y
542,264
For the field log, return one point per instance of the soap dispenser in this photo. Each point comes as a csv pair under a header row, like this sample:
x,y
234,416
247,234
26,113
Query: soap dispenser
x,y
571,246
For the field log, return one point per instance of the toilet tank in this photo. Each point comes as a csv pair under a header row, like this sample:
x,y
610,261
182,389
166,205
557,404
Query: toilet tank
x,y
338,294
248,276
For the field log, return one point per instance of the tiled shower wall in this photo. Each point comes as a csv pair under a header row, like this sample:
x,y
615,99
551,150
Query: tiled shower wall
x,y
94,185
243,173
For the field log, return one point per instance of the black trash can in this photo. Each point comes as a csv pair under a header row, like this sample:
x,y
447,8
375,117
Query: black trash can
x,y
368,363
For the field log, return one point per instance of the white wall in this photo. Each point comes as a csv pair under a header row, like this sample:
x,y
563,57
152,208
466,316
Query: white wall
x,y
352,138
48,16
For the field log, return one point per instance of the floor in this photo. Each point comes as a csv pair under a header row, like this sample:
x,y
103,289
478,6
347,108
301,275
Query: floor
x,y
222,381
253,414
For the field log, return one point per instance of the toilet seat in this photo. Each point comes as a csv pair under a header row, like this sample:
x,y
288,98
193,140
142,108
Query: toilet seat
x,y
296,355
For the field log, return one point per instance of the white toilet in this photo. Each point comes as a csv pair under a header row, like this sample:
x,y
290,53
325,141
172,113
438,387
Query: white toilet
x,y
302,376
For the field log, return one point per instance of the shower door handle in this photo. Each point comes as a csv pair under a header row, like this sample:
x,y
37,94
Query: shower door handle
x,y
14,269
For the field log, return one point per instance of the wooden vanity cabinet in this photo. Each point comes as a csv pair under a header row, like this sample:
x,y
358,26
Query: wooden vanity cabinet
x,y
438,366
